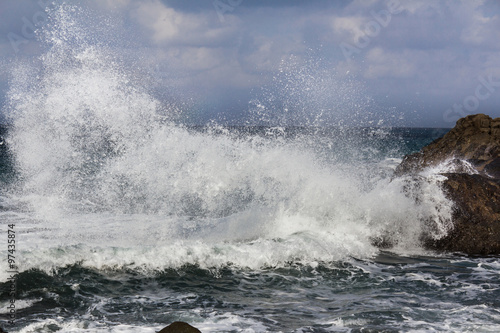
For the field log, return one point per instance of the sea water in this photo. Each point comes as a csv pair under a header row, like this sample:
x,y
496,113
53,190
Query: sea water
x,y
125,219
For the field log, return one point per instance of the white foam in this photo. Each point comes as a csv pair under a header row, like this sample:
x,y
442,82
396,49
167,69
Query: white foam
x,y
19,304
220,322
107,182
451,165
81,326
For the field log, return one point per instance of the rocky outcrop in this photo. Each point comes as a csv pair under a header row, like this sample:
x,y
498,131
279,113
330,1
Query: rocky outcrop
x,y
469,157
179,327
476,215
475,139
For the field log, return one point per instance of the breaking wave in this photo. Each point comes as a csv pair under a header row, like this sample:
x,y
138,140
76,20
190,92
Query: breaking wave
x,y
105,178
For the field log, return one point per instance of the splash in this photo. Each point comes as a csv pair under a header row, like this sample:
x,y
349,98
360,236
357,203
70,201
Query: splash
x,y
312,93
99,164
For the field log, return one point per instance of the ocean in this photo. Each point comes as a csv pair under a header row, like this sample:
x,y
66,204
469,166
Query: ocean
x,y
118,217
232,230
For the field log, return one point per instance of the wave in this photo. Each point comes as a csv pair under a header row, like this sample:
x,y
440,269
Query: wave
x,y
107,179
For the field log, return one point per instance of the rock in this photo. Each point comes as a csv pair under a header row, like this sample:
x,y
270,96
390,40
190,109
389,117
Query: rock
x,y
474,138
476,215
469,157
179,327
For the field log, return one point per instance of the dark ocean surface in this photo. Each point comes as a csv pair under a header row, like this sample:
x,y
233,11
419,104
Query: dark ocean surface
x,y
268,231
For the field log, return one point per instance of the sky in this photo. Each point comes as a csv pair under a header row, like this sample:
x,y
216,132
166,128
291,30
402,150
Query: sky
x,y
418,63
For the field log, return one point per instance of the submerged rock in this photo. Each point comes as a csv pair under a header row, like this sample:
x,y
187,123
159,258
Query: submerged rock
x,y
469,157
179,327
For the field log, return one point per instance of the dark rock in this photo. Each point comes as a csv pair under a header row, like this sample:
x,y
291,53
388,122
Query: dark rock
x,y
470,154
475,138
491,167
179,327
476,215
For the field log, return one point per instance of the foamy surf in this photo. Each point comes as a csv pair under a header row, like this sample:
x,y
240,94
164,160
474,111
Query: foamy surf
x,y
99,164
126,221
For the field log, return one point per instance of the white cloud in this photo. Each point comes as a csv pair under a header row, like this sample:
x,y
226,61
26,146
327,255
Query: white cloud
x,y
479,29
435,47
389,64
351,26
169,26
197,47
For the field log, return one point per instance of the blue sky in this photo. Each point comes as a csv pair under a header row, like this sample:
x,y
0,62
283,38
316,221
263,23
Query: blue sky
x,y
411,63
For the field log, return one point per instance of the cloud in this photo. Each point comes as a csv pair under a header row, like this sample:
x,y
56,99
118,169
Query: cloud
x,y
479,28
390,64
351,27
167,26
436,47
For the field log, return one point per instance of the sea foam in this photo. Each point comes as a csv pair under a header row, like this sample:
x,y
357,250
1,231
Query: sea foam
x,y
107,180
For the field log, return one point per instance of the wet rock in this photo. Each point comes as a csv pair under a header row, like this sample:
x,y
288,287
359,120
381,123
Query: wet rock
x,y
469,157
475,138
476,215
179,327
